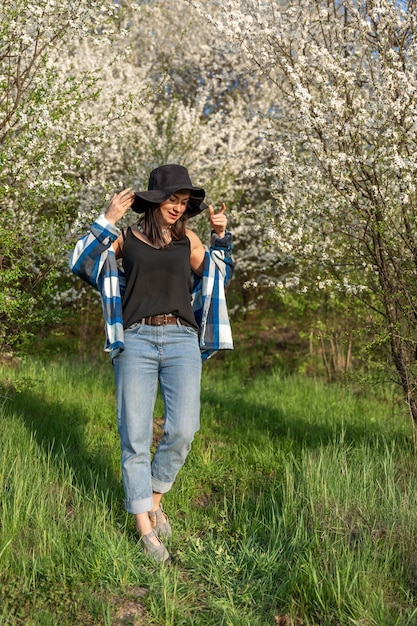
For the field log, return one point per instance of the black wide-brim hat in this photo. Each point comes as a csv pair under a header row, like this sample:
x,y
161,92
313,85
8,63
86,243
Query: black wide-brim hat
x,y
163,182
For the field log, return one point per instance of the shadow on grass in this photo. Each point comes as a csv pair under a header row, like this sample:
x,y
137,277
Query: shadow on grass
x,y
309,425
59,429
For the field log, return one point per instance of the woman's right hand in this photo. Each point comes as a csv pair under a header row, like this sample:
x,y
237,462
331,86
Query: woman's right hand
x,y
119,205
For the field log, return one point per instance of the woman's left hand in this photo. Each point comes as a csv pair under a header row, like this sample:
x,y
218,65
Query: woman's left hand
x,y
218,221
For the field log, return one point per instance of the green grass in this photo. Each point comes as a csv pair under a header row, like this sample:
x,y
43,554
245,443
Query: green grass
x,y
297,505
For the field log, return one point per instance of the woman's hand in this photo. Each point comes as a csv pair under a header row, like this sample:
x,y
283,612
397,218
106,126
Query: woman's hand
x,y
119,205
218,221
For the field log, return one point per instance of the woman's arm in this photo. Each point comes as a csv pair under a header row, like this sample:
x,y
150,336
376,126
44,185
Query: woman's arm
x,y
91,251
218,223
119,205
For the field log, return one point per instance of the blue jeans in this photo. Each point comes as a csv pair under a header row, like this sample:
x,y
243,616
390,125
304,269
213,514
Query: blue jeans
x,y
169,355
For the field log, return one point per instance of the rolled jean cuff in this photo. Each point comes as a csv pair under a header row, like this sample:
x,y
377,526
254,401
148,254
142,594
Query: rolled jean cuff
x,y
159,487
139,506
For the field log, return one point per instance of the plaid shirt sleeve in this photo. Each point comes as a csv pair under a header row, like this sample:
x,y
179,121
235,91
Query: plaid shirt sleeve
x,y
91,251
209,301
93,260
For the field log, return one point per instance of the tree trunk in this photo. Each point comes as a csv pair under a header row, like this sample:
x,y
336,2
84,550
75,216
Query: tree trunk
x,y
400,360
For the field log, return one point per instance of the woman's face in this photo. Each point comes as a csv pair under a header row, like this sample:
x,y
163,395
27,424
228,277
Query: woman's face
x,y
172,209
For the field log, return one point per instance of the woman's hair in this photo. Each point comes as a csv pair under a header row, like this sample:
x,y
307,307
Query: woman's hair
x,y
153,231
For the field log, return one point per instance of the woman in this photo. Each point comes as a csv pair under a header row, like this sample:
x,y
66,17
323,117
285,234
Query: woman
x,y
168,323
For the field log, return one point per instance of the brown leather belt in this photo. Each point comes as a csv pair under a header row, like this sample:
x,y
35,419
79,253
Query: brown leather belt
x,y
159,320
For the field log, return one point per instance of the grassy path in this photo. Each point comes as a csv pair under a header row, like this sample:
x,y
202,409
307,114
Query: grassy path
x,y
297,506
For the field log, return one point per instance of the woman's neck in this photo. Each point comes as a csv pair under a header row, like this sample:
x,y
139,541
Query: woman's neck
x,y
165,231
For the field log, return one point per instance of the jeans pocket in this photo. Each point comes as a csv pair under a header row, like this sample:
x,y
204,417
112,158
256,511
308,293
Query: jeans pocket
x,y
189,330
134,328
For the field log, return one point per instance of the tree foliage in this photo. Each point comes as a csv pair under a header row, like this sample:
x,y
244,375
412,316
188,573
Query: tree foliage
x,y
343,140
49,136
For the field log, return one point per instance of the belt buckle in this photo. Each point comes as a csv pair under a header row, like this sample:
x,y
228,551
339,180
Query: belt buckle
x,y
164,319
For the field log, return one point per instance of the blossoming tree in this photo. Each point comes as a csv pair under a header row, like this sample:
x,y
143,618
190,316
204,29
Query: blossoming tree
x,y
344,138
47,138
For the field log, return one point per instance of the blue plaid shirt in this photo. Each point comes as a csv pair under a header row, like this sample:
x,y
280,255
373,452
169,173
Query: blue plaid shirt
x,y
93,259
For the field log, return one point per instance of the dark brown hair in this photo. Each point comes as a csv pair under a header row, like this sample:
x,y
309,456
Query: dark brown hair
x,y
152,227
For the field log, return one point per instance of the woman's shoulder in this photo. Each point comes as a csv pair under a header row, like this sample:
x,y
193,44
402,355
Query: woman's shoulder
x,y
194,239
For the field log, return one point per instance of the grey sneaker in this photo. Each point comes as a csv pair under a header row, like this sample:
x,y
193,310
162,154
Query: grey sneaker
x,y
161,521
157,553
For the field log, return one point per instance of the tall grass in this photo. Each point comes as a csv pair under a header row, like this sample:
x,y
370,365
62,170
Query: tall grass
x,y
297,506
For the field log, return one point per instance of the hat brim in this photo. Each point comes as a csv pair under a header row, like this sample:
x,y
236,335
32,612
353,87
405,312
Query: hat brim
x,y
149,199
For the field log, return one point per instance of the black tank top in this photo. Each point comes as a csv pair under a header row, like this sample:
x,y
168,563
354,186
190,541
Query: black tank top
x,y
158,280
